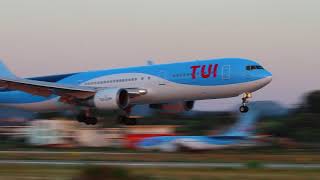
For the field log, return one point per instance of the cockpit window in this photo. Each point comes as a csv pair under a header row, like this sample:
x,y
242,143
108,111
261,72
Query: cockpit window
x,y
250,68
260,67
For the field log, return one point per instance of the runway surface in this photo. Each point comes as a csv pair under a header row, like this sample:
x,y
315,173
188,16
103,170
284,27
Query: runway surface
x,y
136,163
157,164
74,152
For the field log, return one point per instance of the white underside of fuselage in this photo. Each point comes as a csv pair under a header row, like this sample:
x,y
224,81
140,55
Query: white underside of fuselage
x,y
158,91
191,144
187,144
198,145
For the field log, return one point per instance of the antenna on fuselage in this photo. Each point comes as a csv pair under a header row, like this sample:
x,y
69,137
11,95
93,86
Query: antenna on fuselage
x,y
150,62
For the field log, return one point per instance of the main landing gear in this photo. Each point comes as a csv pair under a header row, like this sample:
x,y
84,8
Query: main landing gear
x,y
127,121
88,120
245,100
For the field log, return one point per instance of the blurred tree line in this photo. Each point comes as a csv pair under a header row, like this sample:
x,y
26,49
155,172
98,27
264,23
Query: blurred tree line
x,y
200,123
302,124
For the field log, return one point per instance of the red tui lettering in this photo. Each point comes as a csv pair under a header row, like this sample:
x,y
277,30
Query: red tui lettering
x,y
215,70
204,74
194,71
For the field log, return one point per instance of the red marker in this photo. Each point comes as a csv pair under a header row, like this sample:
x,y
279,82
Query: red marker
x,y
194,71
215,70
204,74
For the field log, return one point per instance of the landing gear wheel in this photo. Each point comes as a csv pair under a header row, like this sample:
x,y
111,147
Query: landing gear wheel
x,y
87,120
87,117
131,121
244,109
81,118
245,100
127,121
91,121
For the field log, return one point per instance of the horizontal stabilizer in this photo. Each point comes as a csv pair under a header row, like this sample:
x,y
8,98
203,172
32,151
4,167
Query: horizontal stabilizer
x,y
4,71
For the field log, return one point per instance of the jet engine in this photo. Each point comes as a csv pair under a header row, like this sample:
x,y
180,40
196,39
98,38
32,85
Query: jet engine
x,y
188,105
111,99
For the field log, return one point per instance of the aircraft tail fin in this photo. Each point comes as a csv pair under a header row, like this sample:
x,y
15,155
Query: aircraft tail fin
x,y
4,71
150,62
245,125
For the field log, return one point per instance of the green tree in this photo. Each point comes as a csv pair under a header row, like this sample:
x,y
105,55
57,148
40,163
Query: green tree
x,y
313,102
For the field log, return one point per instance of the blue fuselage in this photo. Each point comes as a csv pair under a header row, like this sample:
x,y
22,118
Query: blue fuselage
x,y
195,80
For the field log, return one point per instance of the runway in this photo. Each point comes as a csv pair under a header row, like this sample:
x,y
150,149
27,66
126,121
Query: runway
x,y
157,164
137,162
74,152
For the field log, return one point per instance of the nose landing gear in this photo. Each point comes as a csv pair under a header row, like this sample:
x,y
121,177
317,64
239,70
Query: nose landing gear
x,y
245,100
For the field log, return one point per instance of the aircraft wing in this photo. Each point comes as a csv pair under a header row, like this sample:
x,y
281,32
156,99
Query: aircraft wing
x,y
68,93
47,89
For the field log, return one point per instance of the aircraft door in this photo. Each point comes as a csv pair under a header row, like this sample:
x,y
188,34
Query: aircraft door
x,y
226,72
163,77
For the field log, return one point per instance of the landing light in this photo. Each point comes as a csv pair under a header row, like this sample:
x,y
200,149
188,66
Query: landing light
x,y
247,95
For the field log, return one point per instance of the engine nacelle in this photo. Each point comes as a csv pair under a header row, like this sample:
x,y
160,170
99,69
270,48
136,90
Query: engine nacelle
x,y
188,105
111,99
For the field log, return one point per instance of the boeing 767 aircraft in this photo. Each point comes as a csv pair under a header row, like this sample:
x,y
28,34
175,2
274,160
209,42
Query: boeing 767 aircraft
x,y
239,135
121,89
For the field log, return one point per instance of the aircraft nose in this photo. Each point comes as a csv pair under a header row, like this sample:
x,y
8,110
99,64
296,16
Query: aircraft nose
x,y
267,77
263,75
268,74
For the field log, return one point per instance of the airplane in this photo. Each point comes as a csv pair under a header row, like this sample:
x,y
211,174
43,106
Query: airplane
x,y
241,134
119,90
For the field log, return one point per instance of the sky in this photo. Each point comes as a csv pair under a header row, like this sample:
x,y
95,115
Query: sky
x,y
41,37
